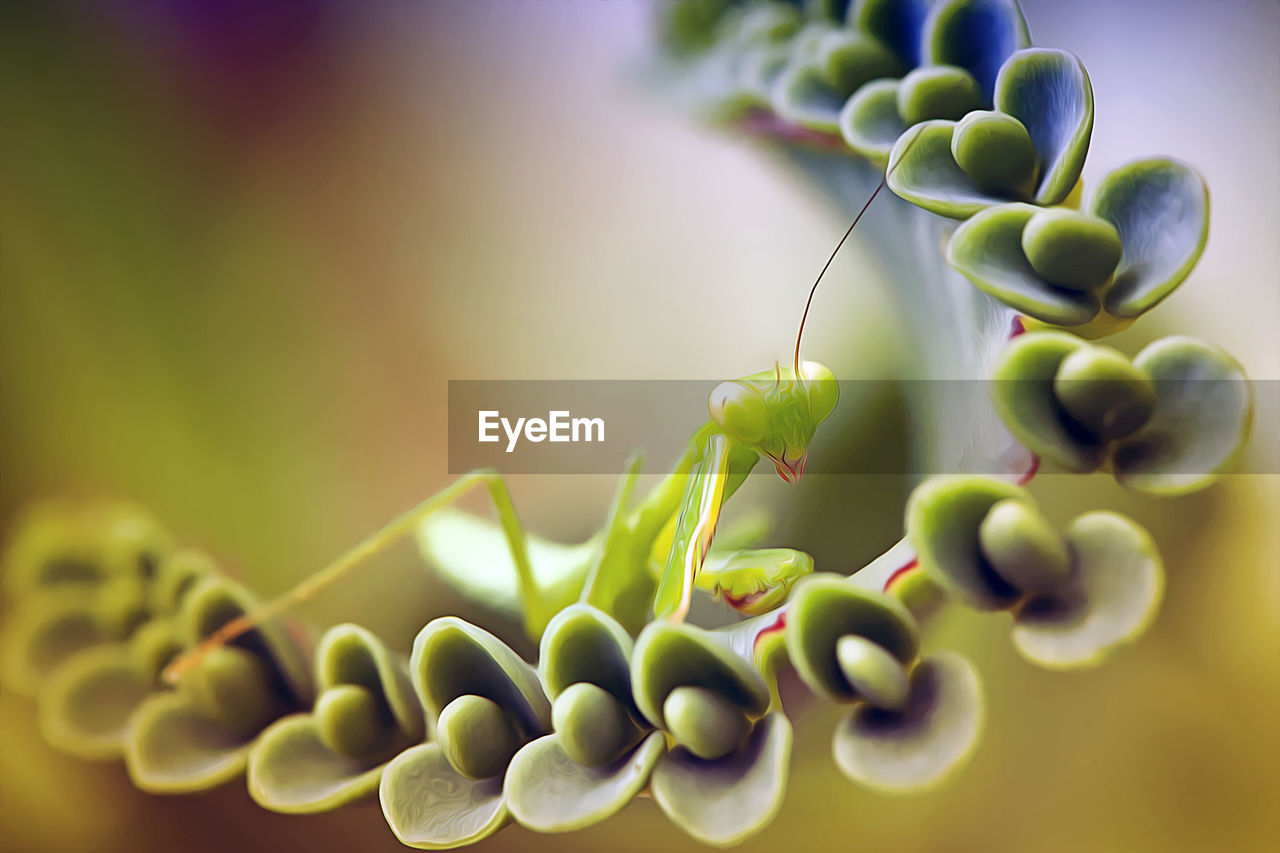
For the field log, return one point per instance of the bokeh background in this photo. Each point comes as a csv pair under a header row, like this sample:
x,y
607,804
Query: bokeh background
x,y
244,245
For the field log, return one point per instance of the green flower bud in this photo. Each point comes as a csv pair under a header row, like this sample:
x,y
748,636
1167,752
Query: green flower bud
x,y
669,656
365,714
997,152
811,92
1022,547
944,517
232,686
1103,392
872,671
1072,249
826,609
351,720
703,722
476,737
153,646
920,745
977,35
937,91
853,59
1047,92
593,725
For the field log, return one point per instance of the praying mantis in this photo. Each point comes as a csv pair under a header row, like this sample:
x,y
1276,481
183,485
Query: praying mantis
x,y
669,533
773,415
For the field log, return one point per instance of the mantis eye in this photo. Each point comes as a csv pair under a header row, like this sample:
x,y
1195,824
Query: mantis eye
x,y
740,410
822,388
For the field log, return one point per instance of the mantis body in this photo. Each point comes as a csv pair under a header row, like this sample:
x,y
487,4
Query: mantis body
x,y
770,415
668,535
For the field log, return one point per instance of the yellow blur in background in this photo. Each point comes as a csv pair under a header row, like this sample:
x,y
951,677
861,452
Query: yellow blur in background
x,y
243,247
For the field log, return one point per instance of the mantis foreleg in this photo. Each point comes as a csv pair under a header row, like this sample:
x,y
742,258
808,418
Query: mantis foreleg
x,y
753,580
695,527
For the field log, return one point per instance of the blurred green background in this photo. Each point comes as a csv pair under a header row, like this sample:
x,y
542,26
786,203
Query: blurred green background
x,y
244,245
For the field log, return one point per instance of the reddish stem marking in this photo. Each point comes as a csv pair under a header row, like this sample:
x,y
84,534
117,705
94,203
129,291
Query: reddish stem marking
x,y
778,625
901,572
764,122
1019,327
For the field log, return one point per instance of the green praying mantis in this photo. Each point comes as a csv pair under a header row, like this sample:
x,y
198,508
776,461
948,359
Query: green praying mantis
x,y
666,537
669,534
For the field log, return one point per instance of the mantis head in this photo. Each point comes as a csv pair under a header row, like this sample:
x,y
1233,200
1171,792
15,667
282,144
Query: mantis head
x,y
776,413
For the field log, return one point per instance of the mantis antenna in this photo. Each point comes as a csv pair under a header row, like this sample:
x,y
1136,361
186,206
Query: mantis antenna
x,y
836,251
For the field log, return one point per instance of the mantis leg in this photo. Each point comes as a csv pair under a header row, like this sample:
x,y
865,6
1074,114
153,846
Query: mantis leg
x,y
514,533
610,567
753,580
695,527
620,582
